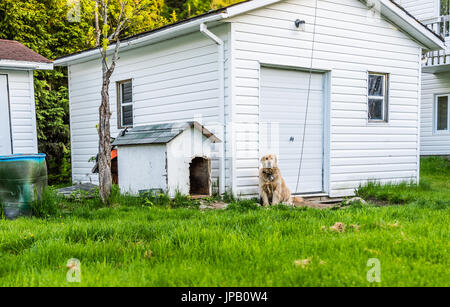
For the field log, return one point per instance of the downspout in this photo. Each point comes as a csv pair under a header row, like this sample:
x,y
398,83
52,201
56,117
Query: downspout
x,y
221,61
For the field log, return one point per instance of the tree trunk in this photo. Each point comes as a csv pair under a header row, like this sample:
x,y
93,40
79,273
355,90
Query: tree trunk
x,y
104,133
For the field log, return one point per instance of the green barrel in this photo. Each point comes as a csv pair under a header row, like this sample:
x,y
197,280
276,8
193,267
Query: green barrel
x,y
22,180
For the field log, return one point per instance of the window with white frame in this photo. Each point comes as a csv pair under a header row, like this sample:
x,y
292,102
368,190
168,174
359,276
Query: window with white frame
x,y
125,104
442,113
378,89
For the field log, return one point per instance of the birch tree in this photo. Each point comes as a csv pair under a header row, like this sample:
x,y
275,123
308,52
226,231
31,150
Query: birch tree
x,y
111,19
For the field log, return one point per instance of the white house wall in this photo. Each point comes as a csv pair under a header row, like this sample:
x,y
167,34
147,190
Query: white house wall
x,y
432,84
174,80
22,109
349,43
421,9
432,143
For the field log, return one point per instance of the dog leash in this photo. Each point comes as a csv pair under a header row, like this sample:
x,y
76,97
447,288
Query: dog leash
x,y
307,99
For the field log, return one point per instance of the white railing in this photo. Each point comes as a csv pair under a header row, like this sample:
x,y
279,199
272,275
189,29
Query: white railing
x,y
441,26
440,57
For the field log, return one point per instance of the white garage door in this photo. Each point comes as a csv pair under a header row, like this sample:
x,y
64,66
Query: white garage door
x,y
282,115
5,130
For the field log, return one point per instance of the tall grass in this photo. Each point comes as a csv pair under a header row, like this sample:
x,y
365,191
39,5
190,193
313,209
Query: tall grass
x,y
433,189
152,240
161,246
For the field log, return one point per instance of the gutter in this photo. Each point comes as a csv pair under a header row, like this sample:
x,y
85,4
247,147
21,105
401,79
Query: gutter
x,y
391,10
143,39
221,61
402,19
23,65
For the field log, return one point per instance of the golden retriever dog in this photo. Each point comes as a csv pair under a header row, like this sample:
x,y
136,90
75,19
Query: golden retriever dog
x,y
272,188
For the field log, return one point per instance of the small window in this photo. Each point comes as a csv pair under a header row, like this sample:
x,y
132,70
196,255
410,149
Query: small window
x,y
442,113
125,104
377,97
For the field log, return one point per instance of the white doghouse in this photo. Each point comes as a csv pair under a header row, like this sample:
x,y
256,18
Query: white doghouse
x,y
165,157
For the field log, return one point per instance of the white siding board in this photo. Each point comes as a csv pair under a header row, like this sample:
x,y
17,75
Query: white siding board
x,y
174,80
432,143
22,110
421,9
349,45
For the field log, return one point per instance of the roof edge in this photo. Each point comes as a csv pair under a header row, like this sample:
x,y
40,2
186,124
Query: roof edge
x,y
403,19
145,38
389,9
25,65
180,129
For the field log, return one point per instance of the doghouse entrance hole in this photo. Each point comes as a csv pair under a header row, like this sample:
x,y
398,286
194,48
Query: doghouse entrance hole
x,y
199,176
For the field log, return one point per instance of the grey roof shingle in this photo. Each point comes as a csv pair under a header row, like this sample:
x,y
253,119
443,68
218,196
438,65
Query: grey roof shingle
x,y
159,133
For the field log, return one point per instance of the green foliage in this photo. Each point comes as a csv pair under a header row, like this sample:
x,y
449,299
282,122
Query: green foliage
x,y
189,8
52,115
184,201
48,205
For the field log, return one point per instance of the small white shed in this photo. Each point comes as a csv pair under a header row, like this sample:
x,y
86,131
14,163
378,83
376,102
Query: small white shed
x,y
17,105
165,157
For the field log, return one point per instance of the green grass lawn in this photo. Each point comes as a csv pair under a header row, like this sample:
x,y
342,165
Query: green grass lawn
x,y
145,242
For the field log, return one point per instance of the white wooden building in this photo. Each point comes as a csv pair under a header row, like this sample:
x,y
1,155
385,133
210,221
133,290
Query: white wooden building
x,y
251,72
17,105
435,103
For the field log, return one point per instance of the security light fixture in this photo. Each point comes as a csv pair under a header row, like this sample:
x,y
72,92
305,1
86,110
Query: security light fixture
x,y
300,24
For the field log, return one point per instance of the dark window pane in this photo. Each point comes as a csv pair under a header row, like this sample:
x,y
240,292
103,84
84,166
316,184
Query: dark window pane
x,y
127,92
376,85
375,109
442,113
127,115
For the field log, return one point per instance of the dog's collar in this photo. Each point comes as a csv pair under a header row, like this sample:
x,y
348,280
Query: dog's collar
x,y
269,173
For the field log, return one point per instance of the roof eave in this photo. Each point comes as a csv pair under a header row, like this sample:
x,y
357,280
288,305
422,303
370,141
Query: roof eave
x,y
391,11
183,28
25,65
248,6
413,27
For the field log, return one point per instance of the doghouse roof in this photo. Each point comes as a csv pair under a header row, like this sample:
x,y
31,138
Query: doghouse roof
x,y
159,133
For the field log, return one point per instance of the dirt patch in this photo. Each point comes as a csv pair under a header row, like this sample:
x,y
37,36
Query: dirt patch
x,y
213,206
300,202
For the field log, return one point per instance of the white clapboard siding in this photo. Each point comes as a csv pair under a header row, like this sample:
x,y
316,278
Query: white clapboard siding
x,y
174,80
22,110
432,143
421,9
349,43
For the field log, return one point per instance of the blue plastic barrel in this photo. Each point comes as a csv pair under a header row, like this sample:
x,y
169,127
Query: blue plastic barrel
x,y
22,180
